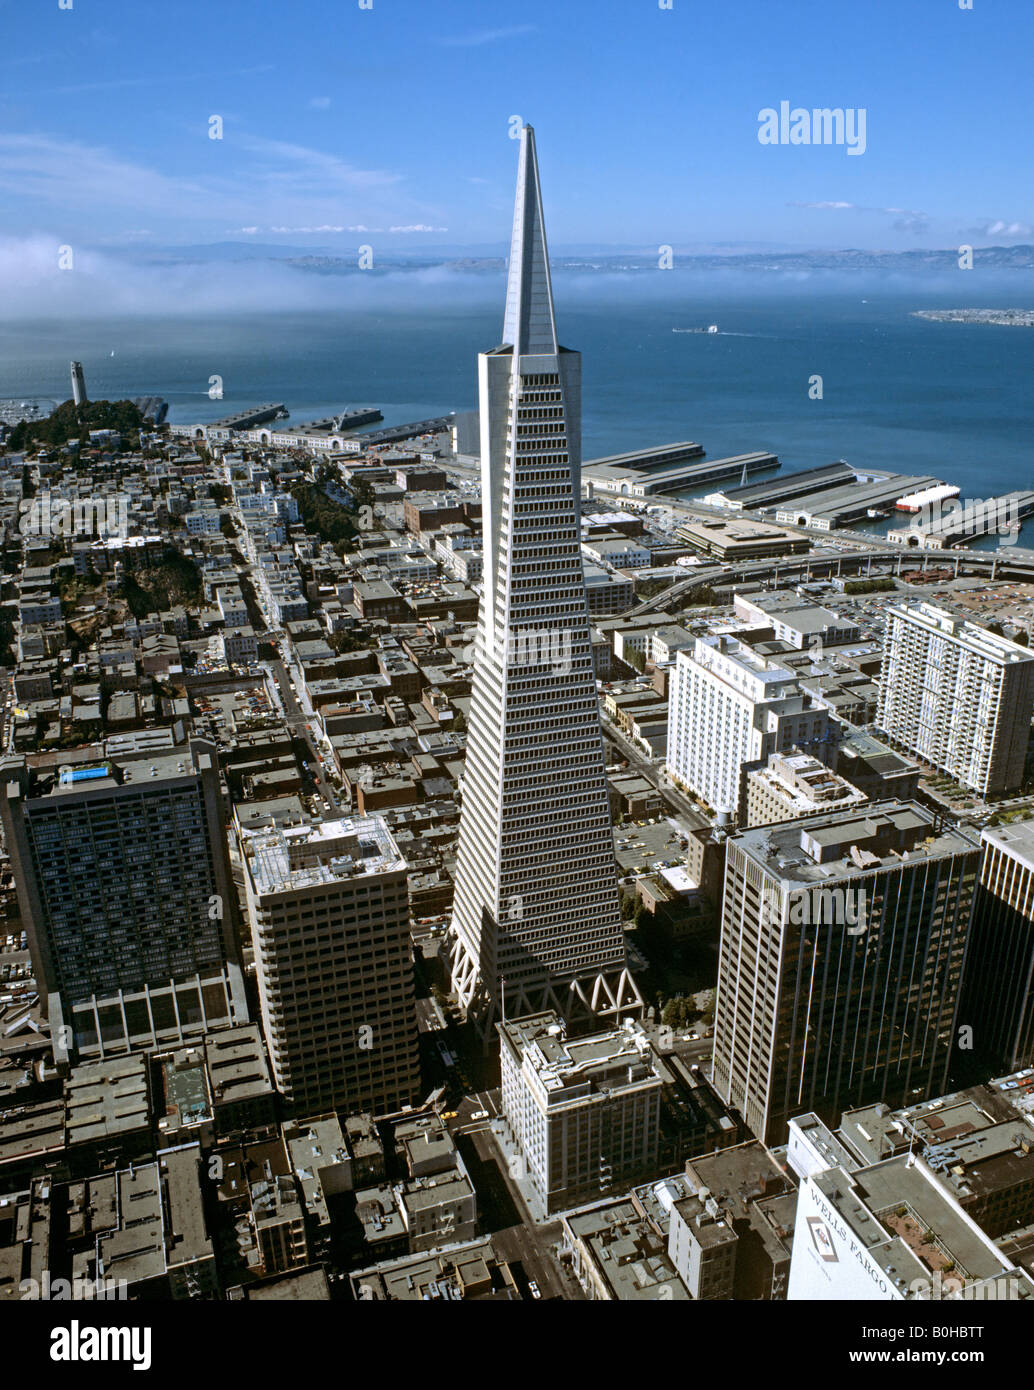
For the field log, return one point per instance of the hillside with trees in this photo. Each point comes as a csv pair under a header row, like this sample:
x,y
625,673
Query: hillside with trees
x,y
70,421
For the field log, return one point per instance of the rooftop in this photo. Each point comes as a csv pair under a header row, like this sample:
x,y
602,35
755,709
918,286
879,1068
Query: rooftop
x,y
888,834
908,1224
970,635
628,1255
237,1065
281,859
571,1069
107,1098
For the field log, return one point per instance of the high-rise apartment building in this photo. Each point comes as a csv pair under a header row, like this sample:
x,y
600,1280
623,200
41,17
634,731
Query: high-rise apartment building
x,y
125,893
998,986
328,905
956,695
843,938
536,902
728,706
585,1112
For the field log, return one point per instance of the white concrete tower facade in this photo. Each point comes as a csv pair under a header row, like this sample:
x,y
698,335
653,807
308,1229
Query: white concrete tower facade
x,y
536,919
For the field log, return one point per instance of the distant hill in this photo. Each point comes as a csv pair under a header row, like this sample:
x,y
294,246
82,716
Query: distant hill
x,y
324,260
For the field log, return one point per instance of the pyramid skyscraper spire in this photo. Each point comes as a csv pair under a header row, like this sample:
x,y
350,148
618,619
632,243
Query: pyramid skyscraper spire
x,y
536,918
530,323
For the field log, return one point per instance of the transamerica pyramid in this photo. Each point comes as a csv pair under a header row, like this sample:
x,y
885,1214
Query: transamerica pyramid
x,y
536,918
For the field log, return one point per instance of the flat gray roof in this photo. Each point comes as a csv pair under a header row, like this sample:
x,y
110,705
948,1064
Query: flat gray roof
x,y
820,848
630,1257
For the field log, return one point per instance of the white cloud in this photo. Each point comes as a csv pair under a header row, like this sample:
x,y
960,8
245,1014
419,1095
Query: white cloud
x,y
309,170
1000,227
79,190
482,36
908,219
75,176
319,103
418,227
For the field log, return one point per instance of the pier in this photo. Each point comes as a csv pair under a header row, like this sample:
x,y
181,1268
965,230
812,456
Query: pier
x,y
648,480
954,525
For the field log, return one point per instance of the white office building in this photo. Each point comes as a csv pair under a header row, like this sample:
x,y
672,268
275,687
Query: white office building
x,y
536,899
585,1112
888,1232
729,706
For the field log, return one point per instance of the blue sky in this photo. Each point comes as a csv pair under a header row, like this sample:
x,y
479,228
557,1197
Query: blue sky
x,y
391,123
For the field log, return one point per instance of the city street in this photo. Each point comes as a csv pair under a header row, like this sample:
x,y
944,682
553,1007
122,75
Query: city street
x,y
653,771
299,723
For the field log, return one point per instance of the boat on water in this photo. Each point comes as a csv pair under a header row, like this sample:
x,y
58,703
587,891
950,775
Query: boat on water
x,y
875,513
711,328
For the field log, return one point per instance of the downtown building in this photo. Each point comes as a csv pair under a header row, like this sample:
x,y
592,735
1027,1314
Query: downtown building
x,y
930,1202
730,706
892,1231
536,919
998,987
125,893
585,1113
957,696
328,906
842,946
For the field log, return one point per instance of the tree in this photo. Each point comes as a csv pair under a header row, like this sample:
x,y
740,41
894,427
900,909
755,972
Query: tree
x,y
330,520
677,1012
650,588
868,586
347,640
70,421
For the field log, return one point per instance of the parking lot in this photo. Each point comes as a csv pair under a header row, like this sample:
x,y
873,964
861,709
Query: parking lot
x,y
646,846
